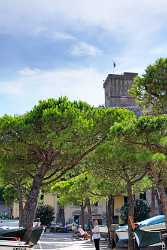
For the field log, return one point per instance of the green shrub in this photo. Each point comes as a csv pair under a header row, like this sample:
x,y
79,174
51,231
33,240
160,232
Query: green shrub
x,y
141,212
46,214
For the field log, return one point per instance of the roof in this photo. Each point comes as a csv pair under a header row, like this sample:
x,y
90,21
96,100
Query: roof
x,y
124,76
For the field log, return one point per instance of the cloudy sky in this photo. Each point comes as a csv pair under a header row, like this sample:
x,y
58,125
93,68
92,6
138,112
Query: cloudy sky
x,y
50,48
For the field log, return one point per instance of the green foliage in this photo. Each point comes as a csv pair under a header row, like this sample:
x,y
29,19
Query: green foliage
x,y
141,211
119,162
144,125
142,186
147,134
46,214
1,193
77,189
158,157
150,89
50,141
163,141
9,194
67,128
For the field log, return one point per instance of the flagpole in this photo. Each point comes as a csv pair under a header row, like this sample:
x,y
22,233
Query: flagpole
x,y
114,66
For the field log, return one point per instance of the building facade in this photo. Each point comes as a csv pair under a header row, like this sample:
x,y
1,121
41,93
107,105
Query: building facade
x,y
72,213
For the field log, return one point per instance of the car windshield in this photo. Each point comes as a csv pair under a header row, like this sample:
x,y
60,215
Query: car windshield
x,y
152,221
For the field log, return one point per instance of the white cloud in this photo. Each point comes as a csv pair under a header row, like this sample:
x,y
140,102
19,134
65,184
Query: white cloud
x,y
28,72
138,16
135,23
84,49
12,88
32,85
53,34
63,36
159,51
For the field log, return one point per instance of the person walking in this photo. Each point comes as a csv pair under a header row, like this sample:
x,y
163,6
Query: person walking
x,y
96,235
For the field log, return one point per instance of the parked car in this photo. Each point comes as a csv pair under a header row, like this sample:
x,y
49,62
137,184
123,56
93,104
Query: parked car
x,y
56,227
147,232
71,226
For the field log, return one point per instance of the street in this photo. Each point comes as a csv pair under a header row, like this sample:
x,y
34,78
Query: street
x,y
58,241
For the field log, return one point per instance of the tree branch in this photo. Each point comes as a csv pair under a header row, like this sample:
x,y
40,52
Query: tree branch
x,y
152,146
76,161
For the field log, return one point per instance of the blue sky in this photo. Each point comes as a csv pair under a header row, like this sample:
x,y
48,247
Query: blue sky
x,y
50,48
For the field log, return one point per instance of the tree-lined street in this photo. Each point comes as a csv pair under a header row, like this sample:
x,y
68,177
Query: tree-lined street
x,y
59,241
83,124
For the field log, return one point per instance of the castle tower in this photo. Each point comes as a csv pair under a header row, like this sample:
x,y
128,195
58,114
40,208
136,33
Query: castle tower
x,y
116,90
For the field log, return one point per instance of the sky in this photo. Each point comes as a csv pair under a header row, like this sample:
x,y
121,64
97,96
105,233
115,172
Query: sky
x,y
52,48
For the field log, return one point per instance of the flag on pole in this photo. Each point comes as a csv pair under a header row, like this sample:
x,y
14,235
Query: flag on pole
x,y
114,66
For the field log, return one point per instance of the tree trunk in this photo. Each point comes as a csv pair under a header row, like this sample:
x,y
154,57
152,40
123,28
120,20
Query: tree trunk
x,y
153,200
163,198
162,195
31,203
89,213
21,208
109,215
130,216
82,216
160,206
60,217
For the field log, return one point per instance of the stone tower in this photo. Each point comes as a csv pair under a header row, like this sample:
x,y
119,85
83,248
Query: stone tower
x,y
116,90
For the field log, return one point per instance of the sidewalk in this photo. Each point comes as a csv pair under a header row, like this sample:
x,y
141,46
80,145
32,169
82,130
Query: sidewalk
x,y
60,241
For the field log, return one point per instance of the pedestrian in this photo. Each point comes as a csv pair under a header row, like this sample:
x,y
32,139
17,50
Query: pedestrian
x,y
83,234
96,235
